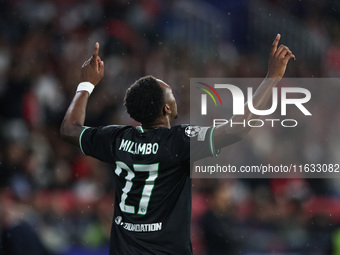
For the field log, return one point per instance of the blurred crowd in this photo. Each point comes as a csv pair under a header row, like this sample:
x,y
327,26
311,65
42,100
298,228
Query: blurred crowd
x,y
54,200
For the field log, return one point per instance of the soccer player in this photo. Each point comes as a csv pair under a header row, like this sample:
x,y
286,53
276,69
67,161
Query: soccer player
x,y
151,162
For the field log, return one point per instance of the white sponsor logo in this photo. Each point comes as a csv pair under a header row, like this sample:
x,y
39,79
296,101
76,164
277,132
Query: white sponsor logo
x,y
151,227
118,220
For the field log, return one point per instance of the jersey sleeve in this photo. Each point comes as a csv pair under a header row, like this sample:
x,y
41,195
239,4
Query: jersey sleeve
x,y
98,142
199,141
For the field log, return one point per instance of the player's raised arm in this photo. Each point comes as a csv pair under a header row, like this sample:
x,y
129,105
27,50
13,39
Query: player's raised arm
x,y
278,60
92,72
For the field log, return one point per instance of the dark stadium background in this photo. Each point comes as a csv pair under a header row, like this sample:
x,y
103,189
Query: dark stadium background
x,y
51,196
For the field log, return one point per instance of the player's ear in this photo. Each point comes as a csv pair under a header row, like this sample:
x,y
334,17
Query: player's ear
x,y
166,110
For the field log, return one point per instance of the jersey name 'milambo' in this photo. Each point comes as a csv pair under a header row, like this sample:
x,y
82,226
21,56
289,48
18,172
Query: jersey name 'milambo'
x,y
138,148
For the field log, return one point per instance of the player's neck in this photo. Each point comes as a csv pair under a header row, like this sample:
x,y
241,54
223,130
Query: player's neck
x,y
158,123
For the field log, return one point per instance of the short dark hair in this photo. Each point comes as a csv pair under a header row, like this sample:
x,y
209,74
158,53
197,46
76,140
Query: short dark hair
x,y
144,100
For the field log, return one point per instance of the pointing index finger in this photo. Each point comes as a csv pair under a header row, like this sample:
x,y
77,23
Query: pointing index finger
x,y
96,50
275,43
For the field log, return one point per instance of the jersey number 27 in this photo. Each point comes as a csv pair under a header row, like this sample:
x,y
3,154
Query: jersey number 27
x,y
148,186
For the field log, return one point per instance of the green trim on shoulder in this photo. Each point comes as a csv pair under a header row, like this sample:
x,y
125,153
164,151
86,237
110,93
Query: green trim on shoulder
x,y
211,142
80,136
140,128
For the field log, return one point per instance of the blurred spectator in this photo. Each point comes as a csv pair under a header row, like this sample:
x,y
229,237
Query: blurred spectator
x,y
17,236
220,223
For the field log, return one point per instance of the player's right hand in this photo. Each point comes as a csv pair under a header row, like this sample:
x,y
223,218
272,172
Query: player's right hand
x,y
278,59
93,69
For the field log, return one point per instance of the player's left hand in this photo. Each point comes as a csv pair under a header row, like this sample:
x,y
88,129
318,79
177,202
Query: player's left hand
x,y
93,69
278,59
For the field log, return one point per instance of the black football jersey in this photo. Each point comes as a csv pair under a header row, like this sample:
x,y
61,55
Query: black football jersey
x,y
151,170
